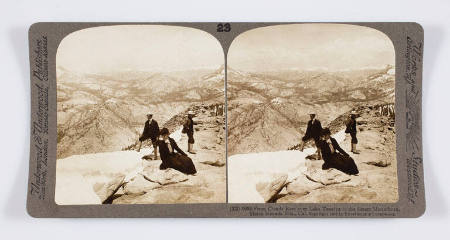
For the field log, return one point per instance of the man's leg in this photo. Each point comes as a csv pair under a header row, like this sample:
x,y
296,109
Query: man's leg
x,y
354,142
354,149
155,150
191,143
192,148
139,148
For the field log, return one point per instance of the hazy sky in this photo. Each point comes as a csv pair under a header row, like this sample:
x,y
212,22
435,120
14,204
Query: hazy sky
x,y
139,47
311,46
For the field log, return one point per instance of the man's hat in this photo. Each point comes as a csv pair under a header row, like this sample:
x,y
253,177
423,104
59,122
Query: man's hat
x,y
149,114
312,113
353,112
190,113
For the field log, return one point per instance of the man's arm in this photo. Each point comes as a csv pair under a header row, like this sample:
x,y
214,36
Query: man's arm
x,y
157,128
145,129
347,126
307,133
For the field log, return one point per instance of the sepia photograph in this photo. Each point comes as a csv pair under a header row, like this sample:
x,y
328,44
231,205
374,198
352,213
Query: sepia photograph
x,y
311,115
236,119
140,116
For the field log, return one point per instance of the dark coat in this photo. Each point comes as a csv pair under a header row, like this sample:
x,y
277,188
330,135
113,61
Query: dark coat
x,y
351,126
177,160
313,130
151,130
190,125
338,159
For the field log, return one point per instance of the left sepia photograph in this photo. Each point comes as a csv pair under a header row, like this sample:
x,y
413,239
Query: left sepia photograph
x,y
140,116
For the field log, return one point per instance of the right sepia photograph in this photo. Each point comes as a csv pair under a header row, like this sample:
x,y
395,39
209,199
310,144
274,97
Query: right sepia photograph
x,y
311,115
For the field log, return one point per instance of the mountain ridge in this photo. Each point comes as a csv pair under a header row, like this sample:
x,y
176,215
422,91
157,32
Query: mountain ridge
x,y
262,106
100,113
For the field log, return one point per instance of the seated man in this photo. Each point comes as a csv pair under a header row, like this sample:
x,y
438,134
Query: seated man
x,y
170,159
334,156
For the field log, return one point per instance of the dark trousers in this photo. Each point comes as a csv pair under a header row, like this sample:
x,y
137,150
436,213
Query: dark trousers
x,y
354,139
190,137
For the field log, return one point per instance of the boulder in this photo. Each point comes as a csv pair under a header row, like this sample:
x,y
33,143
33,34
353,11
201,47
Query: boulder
x,y
73,189
302,186
164,177
327,177
379,163
170,194
356,181
139,185
119,192
270,190
81,177
105,188
214,163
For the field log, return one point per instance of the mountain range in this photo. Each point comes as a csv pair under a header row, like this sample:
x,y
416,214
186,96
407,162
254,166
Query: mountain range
x,y
106,112
268,111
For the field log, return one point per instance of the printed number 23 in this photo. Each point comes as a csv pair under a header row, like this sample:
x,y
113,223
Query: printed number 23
x,y
223,27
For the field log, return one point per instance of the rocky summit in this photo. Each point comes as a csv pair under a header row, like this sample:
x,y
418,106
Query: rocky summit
x,y
374,183
128,176
306,182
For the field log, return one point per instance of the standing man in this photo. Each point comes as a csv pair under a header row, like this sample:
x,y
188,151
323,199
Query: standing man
x,y
351,128
189,128
151,130
313,131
